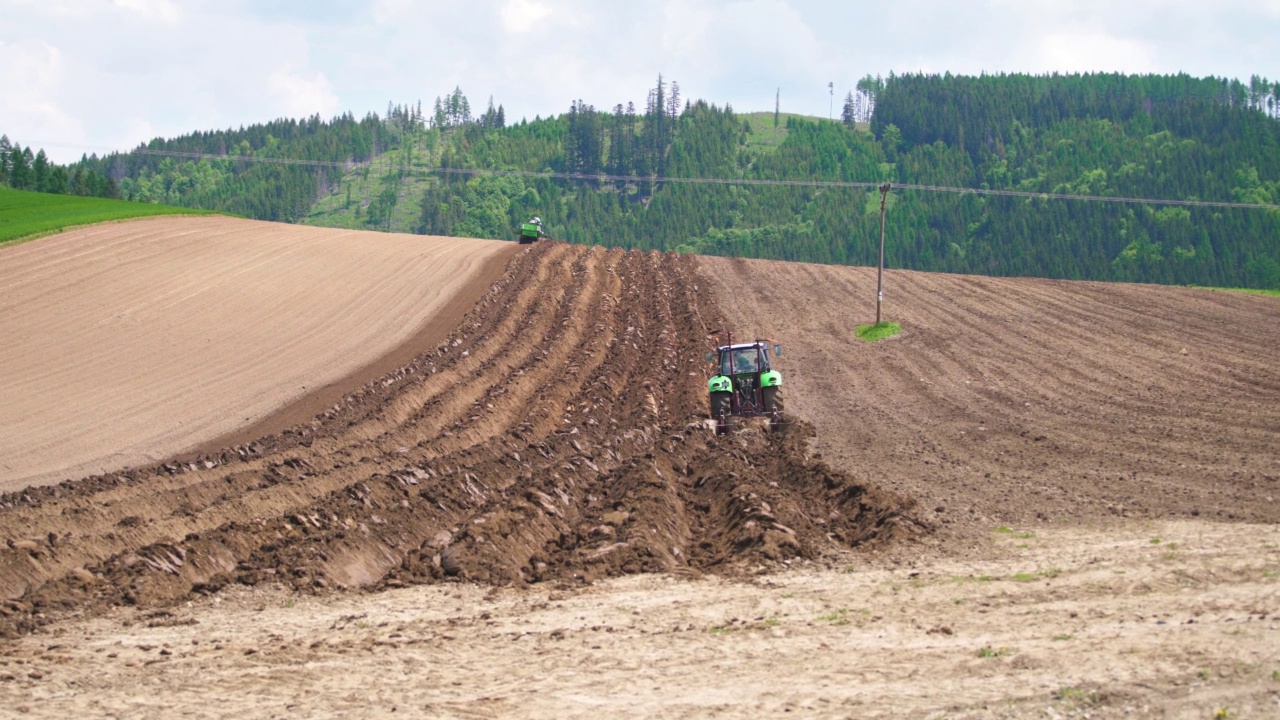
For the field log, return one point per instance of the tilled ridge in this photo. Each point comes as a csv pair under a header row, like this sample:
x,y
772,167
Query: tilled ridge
x,y
557,434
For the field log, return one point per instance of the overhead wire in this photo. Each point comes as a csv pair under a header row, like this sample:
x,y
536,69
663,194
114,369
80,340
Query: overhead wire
x,y
601,178
593,177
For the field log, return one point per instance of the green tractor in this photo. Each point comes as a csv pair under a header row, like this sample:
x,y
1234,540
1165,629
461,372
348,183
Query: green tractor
x,y
532,232
745,384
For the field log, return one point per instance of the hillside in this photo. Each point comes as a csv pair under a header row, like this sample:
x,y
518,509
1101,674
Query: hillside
x,y
1165,137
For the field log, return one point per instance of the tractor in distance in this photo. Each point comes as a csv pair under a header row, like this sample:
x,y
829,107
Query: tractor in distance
x,y
745,384
532,232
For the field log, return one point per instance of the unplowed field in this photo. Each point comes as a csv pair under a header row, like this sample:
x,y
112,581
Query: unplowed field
x,y
126,343
1015,400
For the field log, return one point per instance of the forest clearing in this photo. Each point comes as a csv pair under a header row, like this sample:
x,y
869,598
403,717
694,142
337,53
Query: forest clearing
x,y
1042,496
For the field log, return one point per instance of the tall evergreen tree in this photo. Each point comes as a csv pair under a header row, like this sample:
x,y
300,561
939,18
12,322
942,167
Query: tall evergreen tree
x,y
20,167
5,148
849,112
40,172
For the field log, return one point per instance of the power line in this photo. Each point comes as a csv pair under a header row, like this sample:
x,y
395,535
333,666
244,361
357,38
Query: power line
x,y
733,181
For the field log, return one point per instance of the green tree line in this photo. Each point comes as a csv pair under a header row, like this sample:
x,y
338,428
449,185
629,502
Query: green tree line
x,y
1149,136
1169,137
20,169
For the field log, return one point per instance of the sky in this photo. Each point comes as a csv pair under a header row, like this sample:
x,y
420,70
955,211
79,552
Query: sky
x,y
84,76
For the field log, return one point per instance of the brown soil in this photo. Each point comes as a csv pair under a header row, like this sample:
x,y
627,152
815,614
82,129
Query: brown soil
x,y
128,342
1016,401
552,530
437,327
1153,620
558,433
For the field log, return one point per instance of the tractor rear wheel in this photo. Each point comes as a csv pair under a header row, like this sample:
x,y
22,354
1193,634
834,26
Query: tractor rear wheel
x,y
721,411
771,397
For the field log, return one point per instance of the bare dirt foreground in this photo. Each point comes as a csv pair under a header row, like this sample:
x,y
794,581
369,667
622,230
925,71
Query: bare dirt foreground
x,y
125,343
1043,499
1168,619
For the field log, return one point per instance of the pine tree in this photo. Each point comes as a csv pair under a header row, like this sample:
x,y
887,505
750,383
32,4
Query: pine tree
x,y
849,112
439,116
5,149
490,117
40,172
19,167
464,117
868,88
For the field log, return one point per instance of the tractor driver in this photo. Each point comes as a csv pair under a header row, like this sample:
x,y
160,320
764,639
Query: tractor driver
x,y
744,361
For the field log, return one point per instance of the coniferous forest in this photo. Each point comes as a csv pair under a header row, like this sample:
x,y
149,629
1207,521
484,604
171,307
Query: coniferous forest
x,y
21,169
1165,137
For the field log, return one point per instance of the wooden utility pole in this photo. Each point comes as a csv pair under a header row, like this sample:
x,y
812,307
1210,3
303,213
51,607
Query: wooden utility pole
x,y
884,194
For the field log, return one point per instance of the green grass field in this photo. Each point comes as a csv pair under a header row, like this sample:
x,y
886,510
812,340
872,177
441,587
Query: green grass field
x,y
29,215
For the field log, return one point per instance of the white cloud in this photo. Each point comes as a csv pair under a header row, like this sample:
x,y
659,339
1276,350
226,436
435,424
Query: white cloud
x,y
162,10
99,72
1092,51
523,16
386,11
28,66
31,72
297,96
77,9
686,30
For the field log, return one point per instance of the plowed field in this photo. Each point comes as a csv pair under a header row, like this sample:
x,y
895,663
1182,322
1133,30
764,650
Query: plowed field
x,y
558,433
1048,498
126,343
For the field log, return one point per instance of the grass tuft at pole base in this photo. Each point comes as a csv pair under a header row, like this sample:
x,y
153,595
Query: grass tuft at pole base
x,y
878,331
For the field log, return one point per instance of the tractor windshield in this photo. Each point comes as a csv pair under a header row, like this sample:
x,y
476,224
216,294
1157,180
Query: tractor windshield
x,y
745,360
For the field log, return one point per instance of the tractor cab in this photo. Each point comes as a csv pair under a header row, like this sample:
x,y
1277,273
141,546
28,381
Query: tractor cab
x,y
745,384
743,359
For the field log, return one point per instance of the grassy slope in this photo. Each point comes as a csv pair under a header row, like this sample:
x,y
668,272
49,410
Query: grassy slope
x,y
26,215
765,136
366,181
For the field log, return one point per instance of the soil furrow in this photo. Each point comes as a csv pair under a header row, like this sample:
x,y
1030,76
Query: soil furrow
x,y
558,433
